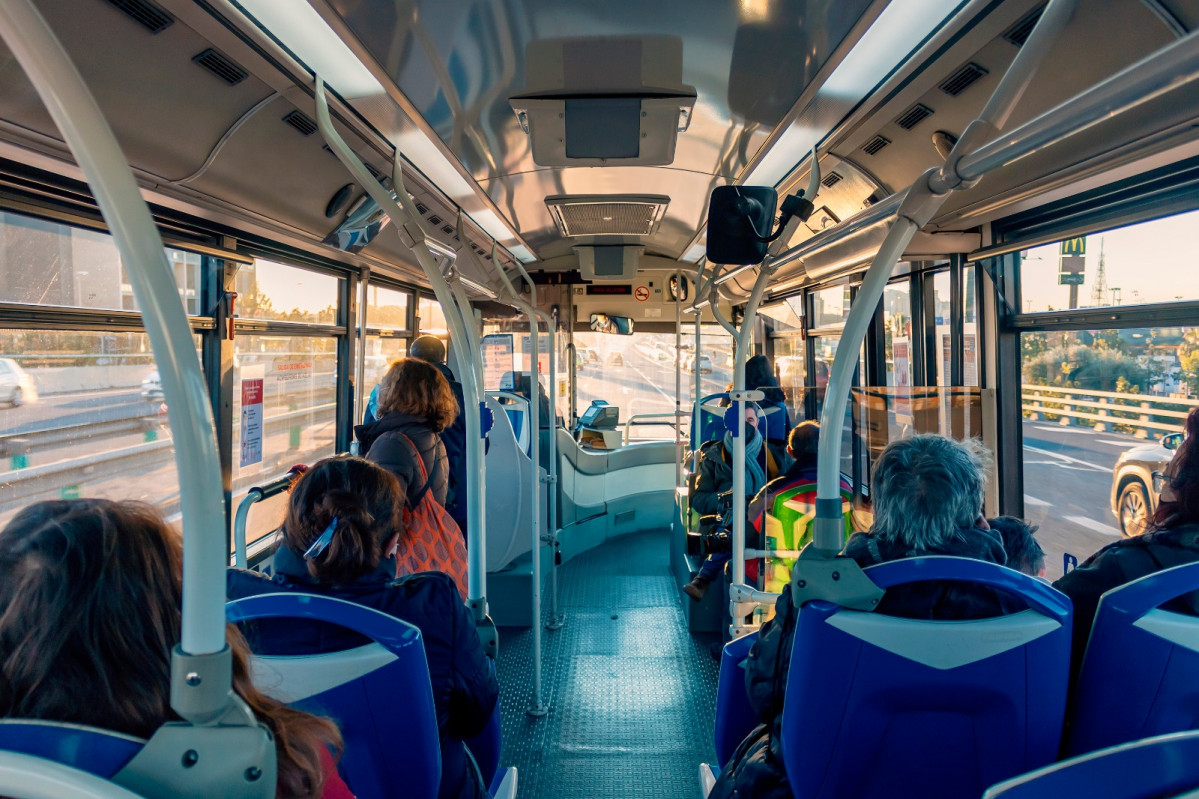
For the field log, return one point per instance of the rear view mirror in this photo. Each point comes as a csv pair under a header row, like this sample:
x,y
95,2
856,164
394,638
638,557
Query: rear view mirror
x,y
603,323
739,222
678,288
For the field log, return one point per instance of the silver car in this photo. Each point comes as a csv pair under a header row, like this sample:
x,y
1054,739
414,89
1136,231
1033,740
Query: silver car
x,y
16,386
1137,482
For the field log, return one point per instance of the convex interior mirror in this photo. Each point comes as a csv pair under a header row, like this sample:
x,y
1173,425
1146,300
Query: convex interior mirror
x,y
604,323
679,288
1172,441
740,219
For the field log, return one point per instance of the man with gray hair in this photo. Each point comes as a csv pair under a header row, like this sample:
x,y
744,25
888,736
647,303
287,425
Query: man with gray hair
x,y
928,500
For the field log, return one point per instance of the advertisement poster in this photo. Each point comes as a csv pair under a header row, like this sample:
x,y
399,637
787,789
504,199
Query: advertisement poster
x,y
497,359
903,380
252,379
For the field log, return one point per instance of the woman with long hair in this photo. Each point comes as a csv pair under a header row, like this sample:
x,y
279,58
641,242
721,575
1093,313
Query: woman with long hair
x,y
1171,540
339,539
91,592
415,404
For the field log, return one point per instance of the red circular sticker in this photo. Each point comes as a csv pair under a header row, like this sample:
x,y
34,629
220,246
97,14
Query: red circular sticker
x,y
641,293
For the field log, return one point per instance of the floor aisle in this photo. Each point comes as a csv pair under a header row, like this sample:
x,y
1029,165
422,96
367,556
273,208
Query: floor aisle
x,y
631,692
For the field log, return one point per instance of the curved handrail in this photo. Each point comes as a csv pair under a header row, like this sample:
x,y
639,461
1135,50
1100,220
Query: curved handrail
x,y
387,631
257,494
1142,595
676,415
29,777
205,556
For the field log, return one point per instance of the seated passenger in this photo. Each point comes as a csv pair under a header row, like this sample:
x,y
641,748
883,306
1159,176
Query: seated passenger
x,y
928,498
339,539
91,592
759,374
796,484
415,404
1024,553
1172,540
715,469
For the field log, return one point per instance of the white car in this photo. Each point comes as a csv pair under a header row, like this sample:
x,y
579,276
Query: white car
x,y
16,386
152,387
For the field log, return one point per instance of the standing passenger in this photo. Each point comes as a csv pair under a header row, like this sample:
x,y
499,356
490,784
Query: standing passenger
x,y
340,537
432,350
90,598
415,405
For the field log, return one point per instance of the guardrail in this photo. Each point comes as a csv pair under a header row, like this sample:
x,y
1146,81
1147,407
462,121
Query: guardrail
x,y
1106,411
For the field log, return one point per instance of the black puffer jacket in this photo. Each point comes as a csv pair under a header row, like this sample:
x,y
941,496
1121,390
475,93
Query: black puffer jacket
x,y
1122,562
756,768
465,689
382,442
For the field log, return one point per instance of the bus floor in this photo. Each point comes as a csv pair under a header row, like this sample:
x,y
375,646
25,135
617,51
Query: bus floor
x,y
631,693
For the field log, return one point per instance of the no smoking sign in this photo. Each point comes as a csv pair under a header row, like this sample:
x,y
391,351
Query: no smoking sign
x,y
641,293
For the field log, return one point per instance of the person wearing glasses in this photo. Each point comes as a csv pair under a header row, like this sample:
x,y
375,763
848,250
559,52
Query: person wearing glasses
x,y
1172,539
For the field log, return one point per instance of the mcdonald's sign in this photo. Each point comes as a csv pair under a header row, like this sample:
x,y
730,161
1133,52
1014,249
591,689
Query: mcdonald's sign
x,y
1075,246
1072,262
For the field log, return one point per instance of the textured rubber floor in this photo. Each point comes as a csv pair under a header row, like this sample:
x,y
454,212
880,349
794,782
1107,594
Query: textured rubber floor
x,y
631,692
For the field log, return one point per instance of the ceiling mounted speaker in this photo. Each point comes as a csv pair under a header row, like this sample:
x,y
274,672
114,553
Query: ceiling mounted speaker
x,y
607,215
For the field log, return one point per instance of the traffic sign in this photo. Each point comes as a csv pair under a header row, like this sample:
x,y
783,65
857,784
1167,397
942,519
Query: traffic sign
x,y
641,293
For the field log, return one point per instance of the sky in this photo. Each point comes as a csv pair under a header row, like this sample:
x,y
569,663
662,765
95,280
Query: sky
x,y
1155,261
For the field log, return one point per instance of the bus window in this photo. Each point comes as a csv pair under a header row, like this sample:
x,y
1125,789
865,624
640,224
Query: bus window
x,y
386,309
279,292
432,320
81,415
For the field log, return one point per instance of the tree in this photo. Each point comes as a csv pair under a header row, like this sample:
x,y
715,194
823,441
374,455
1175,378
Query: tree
x,y
1188,357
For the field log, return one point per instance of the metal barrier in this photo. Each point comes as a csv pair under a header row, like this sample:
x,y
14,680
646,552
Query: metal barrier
x,y
674,415
1106,411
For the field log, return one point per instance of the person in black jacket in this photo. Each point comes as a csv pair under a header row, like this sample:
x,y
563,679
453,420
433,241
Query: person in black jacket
x,y
415,405
432,350
1172,540
928,499
339,537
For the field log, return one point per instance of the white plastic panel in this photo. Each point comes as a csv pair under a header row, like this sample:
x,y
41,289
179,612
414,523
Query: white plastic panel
x,y
291,679
944,644
1174,627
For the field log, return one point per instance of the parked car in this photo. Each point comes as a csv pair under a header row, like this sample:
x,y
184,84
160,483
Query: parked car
x,y
615,359
16,386
1137,482
152,387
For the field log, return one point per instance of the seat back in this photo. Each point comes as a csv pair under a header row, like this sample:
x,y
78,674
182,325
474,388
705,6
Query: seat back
x,y
789,526
379,694
1156,767
925,708
708,423
508,510
1151,654
95,751
735,718
28,777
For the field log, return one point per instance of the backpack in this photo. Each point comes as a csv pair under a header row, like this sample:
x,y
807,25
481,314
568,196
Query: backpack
x,y
433,541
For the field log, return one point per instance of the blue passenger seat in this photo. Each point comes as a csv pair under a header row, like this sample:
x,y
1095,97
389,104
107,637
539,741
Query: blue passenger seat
x,y
379,694
1138,676
879,706
735,718
1167,765
101,753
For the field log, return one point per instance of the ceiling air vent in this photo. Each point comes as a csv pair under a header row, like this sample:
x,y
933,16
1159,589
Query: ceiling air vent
x,y
222,66
435,220
146,14
303,123
963,79
830,180
422,209
874,145
1018,34
607,215
914,116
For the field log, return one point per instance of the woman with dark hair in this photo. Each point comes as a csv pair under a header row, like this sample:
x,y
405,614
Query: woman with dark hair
x,y
339,539
415,404
91,592
1172,540
759,375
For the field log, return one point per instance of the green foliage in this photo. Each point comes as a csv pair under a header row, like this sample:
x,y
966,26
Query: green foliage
x,y
1094,368
1188,356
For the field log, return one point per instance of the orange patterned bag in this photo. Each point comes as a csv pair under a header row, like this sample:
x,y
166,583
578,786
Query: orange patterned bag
x,y
432,541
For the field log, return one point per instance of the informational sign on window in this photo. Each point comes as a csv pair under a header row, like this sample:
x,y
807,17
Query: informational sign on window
x,y
903,381
497,359
252,380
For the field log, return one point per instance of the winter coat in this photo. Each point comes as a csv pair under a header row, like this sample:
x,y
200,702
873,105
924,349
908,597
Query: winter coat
x,y
716,476
382,442
1122,562
454,439
756,770
465,689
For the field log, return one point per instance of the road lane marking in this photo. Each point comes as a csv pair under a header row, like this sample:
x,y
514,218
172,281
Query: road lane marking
x,y
1091,524
1131,443
1068,459
1030,500
1063,429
